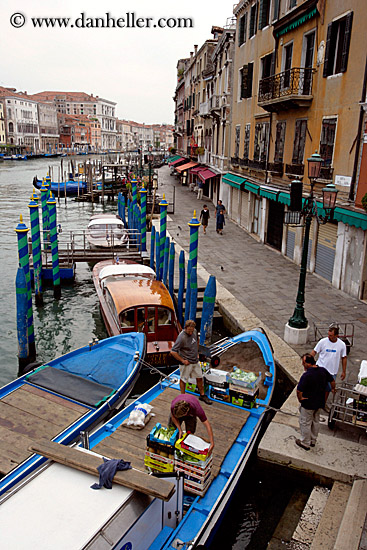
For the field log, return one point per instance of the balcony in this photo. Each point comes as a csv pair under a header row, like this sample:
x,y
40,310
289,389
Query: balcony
x,y
257,164
235,161
291,89
326,173
214,103
204,108
276,168
292,170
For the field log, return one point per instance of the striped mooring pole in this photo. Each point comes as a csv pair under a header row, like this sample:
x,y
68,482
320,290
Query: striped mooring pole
x,y
165,261
152,244
123,215
163,229
134,192
193,293
157,255
119,204
143,218
23,254
45,219
206,326
188,292
194,225
171,270
22,318
181,285
36,251
51,204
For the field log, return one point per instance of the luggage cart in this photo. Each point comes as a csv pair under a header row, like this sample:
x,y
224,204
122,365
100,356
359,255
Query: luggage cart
x,y
349,406
346,333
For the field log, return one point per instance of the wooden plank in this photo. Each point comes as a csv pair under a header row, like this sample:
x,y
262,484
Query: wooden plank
x,y
133,479
14,445
41,408
55,399
6,465
24,423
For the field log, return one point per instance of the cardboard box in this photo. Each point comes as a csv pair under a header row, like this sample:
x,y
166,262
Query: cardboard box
x,y
217,378
242,383
221,395
242,400
192,387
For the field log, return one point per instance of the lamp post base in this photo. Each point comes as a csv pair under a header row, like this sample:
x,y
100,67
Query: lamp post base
x,y
295,335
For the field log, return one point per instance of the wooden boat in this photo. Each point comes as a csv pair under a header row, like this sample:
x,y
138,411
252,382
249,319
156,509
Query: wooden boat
x,y
131,300
107,231
64,397
137,513
70,187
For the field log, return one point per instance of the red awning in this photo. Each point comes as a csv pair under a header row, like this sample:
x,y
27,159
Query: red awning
x,y
186,166
197,169
206,174
176,161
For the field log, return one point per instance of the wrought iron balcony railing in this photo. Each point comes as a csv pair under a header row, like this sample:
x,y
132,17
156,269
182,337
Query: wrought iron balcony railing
x,y
294,82
295,169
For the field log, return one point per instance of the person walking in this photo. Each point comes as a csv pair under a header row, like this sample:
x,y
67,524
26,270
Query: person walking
x,y
220,210
204,217
311,395
186,351
186,408
200,189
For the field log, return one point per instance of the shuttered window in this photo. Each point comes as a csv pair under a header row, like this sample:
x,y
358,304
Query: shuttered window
x,y
246,148
275,10
264,13
299,141
242,30
327,140
337,45
261,141
279,141
253,20
237,142
246,76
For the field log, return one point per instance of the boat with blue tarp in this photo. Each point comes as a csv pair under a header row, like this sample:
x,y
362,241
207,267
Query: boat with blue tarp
x,y
64,397
62,188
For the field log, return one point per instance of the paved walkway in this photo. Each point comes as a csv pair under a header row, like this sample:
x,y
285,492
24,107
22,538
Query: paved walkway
x,y
261,278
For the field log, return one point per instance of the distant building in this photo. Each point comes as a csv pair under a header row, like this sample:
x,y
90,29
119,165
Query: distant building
x,y
48,128
2,127
21,115
75,132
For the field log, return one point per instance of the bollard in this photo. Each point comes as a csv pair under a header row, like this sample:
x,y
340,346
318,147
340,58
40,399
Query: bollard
x,y
181,286
171,270
157,255
194,225
152,243
163,229
21,231
165,261
22,318
143,218
193,293
36,251
206,327
188,292
51,203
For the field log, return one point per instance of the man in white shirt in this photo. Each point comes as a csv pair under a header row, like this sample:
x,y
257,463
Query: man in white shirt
x,y
331,350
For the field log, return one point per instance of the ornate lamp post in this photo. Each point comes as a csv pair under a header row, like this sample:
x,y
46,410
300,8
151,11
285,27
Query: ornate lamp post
x,y
298,320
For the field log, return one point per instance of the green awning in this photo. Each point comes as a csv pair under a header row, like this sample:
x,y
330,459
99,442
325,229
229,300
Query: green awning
x,y
234,181
349,217
251,187
269,193
297,22
172,159
284,198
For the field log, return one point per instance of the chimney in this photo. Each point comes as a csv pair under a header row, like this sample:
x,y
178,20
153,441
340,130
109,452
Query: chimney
x,y
196,49
191,54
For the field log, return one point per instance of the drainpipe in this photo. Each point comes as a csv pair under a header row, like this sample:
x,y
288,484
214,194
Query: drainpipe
x,y
358,144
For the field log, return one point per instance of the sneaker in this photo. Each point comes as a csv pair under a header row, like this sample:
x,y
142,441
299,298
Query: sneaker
x,y
206,399
302,445
313,443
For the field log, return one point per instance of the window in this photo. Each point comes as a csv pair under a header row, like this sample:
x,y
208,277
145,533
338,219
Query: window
x,y
246,77
242,30
279,141
246,148
261,141
287,64
337,45
264,13
327,140
299,141
292,4
268,65
237,142
253,20
11,127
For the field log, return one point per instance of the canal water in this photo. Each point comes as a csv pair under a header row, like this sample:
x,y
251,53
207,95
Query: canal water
x,y
74,320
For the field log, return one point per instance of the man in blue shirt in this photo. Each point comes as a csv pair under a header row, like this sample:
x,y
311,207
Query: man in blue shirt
x,y
311,392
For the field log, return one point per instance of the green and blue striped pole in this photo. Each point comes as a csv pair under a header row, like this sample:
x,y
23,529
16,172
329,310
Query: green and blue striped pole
x,y
51,204
143,218
163,229
165,261
119,204
194,225
22,318
171,270
134,193
36,251
188,292
22,231
206,326
123,214
45,219
152,244
137,216
193,293
181,285
157,255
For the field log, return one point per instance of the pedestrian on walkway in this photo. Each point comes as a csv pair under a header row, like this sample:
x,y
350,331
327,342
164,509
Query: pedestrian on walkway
x,y
186,408
220,210
330,351
204,217
311,395
186,351
200,189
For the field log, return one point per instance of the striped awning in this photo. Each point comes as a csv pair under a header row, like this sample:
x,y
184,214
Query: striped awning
x,y
271,194
252,187
180,159
206,175
197,169
234,181
186,166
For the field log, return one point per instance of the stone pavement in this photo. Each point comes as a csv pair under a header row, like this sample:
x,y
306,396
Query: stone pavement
x,y
261,278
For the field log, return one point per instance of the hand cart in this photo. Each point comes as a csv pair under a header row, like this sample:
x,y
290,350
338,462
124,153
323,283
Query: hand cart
x,y
349,406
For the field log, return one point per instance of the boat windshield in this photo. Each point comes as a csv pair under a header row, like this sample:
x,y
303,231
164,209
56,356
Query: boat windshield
x,y
98,231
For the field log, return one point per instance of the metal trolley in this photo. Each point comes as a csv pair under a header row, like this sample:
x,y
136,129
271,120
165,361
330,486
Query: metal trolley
x,y
349,406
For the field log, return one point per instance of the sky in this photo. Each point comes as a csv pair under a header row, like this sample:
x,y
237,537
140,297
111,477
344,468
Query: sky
x,y
135,67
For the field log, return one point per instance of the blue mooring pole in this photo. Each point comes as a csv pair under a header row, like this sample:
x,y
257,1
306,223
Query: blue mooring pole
x,y
122,202
165,261
22,318
188,292
157,255
206,326
193,293
181,285
171,270
152,243
36,251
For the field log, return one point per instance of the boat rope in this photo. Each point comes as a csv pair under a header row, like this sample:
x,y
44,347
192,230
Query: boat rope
x,y
155,370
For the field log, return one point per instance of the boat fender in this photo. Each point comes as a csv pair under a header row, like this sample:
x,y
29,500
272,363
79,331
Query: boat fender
x,y
31,366
215,361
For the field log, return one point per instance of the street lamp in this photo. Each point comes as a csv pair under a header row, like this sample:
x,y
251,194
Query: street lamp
x,y
309,211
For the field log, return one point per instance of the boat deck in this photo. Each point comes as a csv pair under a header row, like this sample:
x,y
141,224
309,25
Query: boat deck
x,y
131,444
27,415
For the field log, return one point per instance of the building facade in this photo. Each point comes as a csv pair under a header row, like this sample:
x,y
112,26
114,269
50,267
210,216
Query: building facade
x,y
2,127
48,128
21,119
